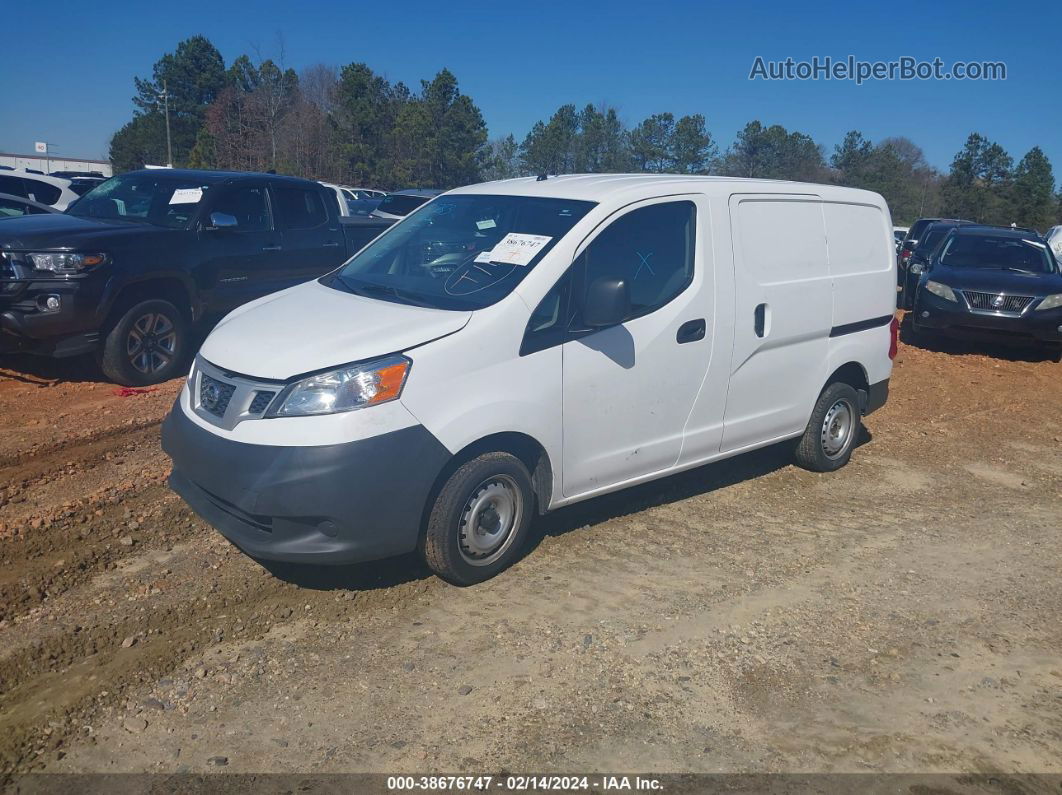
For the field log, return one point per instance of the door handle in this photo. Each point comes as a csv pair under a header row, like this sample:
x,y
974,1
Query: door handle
x,y
331,244
270,248
760,319
691,331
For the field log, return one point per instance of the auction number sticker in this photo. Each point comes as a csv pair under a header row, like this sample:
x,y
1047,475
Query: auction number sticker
x,y
517,248
186,196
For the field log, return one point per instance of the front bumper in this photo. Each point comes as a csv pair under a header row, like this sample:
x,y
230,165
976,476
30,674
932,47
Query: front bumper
x,y
935,313
333,504
26,325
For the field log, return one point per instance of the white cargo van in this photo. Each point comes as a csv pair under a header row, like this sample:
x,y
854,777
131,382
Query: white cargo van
x,y
517,346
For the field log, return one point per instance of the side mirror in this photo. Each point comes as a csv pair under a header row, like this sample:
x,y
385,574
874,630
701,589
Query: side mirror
x,y
222,221
608,303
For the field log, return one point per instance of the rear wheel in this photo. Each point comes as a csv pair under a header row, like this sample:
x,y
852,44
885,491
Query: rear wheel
x,y
480,518
146,345
831,434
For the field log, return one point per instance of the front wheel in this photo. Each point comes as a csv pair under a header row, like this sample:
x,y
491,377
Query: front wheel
x,y
146,345
831,434
480,518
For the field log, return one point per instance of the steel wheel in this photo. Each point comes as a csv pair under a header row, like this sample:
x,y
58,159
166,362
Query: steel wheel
x,y
151,343
489,519
837,429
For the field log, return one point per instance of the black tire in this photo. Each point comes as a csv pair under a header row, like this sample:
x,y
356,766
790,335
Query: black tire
x,y
832,431
458,545
162,332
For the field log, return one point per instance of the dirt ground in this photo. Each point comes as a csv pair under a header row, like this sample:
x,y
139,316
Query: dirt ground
x,y
903,614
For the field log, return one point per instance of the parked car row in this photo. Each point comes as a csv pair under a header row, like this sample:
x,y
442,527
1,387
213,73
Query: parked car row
x,y
974,281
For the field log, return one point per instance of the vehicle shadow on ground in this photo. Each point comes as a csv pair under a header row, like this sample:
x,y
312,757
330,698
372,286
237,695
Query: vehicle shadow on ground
x,y
45,371
939,343
675,488
354,577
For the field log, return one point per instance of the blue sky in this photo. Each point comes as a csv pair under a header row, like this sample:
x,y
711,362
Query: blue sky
x,y
67,76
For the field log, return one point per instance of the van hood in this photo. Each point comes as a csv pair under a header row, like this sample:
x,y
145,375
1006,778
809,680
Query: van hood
x,y
312,327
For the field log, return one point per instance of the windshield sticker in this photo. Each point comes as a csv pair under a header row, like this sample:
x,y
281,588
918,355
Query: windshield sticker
x,y
486,224
517,248
186,196
483,256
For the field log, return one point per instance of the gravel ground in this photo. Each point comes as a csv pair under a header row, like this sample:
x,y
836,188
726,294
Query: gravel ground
x,y
900,615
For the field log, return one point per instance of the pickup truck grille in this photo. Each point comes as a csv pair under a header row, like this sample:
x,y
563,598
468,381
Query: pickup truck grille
x,y
997,302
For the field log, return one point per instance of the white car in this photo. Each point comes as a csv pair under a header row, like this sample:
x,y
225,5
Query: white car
x,y
1054,240
513,347
364,193
342,197
52,191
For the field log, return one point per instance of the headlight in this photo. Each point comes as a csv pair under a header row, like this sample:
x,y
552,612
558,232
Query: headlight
x,y
941,290
1051,302
346,389
65,263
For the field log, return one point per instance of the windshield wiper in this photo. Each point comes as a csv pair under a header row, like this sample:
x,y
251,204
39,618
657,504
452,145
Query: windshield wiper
x,y
1018,270
374,290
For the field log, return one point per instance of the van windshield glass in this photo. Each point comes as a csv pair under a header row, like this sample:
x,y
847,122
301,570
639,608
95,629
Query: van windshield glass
x,y
145,198
459,252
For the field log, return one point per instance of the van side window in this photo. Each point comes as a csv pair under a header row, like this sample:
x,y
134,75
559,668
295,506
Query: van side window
x,y
247,206
549,323
299,209
650,248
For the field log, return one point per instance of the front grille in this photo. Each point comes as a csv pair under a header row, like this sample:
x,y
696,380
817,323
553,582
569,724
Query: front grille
x,y
997,302
261,402
214,395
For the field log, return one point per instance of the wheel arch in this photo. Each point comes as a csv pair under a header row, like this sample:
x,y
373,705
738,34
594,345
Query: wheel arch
x,y
855,375
524,447
165,288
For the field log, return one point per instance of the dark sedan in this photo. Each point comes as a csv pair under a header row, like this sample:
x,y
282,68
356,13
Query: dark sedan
x,y
908,272
994,282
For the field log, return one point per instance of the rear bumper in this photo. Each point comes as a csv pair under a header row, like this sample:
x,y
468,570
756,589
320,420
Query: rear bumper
x,y
331,504
877,394
933,312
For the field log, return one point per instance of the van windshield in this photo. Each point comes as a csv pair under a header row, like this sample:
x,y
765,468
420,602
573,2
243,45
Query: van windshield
x,y
459,252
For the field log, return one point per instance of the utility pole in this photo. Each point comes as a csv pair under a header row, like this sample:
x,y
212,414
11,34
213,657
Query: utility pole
x,y
166,105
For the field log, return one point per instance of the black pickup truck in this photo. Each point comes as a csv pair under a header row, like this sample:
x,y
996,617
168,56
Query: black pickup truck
x,y
136,262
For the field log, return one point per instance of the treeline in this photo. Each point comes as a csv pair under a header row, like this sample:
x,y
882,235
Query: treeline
x,y
351,125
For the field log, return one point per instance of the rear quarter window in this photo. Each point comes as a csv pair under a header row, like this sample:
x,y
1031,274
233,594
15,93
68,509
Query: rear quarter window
x,y
299,208
42,191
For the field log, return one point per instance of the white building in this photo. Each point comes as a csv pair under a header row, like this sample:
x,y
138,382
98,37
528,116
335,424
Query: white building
x,y
49,163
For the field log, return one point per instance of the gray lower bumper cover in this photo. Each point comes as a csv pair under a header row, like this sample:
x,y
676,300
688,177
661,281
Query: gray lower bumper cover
x,y
331,504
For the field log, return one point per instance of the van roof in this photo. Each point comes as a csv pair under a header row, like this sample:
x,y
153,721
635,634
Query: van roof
x,y
595,187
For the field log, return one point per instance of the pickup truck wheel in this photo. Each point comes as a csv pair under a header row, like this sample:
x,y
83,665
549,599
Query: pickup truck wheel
x,y
832,430
480,518
146,345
